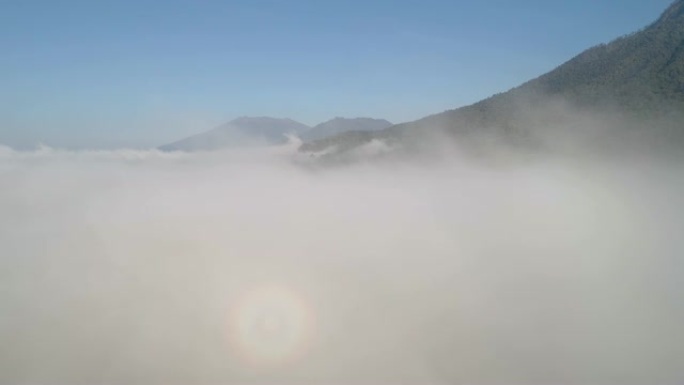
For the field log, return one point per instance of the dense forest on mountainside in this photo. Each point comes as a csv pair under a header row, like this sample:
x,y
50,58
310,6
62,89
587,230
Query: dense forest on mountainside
x,y
637,80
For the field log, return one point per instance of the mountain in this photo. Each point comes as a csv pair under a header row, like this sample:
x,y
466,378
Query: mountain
x,y
241,132
639,79
340,125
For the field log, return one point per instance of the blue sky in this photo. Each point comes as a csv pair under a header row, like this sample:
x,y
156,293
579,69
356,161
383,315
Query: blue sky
x,y
105,74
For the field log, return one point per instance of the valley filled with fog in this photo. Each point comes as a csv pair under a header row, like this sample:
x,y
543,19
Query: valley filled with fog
x,y
256,266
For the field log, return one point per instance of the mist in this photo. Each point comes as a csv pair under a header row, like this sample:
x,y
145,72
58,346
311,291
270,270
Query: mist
x,y
143,267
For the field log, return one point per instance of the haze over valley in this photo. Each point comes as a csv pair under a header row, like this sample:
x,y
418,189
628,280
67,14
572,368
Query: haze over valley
x,y
534,237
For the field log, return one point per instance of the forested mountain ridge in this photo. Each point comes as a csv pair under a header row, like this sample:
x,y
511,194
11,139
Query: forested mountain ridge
x,y
639,76
634,71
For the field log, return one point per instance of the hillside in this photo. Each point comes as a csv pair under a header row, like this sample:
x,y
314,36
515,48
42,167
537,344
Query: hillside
x,y
341,125
639,77
240,132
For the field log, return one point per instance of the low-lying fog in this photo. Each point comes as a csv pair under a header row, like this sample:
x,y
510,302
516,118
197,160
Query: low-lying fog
x,y
149,268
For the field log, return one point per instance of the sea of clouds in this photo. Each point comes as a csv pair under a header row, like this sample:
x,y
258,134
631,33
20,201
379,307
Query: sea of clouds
x,y
127,267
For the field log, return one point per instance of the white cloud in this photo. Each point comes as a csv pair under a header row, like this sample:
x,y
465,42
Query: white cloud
x,y
128,267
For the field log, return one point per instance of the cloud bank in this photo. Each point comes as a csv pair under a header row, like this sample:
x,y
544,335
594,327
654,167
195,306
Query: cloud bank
x,y
124,267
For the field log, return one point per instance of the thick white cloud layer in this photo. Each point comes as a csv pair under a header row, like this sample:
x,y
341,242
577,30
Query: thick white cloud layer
x,y
144,267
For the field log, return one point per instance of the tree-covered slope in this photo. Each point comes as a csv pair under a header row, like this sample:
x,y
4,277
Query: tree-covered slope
x,y
639,76
638,71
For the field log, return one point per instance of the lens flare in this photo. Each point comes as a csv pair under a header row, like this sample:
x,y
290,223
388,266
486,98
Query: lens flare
x,y
271,325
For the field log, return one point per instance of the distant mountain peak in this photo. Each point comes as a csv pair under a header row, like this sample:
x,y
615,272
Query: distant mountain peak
x,y
339,119
340,125
265,120
241,132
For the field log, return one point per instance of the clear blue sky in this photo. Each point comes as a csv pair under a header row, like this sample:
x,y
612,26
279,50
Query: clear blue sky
x,y
108,73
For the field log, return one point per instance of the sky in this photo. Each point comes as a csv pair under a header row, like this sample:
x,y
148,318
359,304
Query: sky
x,y
107,74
